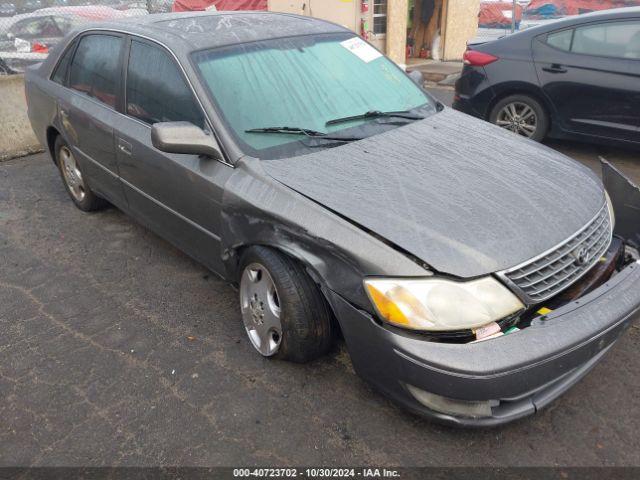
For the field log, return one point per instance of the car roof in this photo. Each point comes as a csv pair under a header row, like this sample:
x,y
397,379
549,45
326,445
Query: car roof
x,y
523,37
191,31
601,15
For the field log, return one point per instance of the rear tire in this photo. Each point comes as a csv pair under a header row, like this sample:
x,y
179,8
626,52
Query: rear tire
x,y
521,114
74,180
284,312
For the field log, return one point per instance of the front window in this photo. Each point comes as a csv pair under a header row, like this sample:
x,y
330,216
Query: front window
x,y
305,82
612,39
156,90
616,39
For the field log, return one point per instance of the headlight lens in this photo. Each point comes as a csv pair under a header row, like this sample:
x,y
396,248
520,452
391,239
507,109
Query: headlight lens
x,y
435,304
612,214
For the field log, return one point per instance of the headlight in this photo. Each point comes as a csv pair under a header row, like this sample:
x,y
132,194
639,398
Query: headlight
x,y
612,214
434,304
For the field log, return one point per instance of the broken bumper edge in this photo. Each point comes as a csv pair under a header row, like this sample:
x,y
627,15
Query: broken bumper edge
x,y
518,374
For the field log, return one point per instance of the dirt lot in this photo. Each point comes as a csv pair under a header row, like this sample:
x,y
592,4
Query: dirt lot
x,y
116,349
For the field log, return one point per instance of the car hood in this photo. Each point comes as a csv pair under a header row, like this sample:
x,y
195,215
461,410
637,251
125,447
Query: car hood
x,y
464,196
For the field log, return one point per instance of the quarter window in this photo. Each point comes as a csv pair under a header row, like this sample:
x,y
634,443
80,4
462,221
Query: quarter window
x,y
156,90
615,39
95,67
60,74
561,40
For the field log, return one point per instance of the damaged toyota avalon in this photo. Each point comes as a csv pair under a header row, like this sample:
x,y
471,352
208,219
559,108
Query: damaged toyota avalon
x,y
475,276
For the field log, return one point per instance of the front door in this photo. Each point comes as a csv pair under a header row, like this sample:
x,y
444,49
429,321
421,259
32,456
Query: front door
x,y
590,75
178,196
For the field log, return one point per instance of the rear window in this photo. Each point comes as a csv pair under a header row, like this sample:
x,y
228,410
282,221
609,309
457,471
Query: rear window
x,y
95,69
44,27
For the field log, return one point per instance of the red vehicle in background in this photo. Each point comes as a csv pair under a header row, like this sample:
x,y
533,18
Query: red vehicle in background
x,y
199,5
498,14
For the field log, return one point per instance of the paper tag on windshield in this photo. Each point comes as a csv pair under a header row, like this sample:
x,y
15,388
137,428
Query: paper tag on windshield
x,y
361,49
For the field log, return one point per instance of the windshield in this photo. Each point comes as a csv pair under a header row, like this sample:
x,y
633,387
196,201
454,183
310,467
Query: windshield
x,y
305,82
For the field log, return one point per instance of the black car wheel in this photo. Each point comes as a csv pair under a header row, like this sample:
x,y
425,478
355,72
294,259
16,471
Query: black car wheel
x,y
74,179
284,313
521,114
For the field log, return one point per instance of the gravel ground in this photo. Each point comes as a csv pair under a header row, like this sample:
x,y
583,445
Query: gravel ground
x,y
117,349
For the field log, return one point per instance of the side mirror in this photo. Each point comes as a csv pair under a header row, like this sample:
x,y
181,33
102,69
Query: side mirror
x,y
184,137
417,76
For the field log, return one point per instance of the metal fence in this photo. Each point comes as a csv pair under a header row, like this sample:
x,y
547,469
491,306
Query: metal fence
x,y
498,18
29,28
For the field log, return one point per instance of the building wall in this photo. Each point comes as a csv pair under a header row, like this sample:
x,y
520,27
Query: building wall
x,y
343,12
461,25
458,25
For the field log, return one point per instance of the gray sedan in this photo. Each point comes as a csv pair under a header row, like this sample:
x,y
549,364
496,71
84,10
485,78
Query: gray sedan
x,y
474,275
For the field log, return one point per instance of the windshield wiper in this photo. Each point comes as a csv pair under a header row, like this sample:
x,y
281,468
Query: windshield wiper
x,y
302,131
377,114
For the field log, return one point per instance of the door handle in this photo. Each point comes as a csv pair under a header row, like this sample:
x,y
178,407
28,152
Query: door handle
x,y
124,146
555,68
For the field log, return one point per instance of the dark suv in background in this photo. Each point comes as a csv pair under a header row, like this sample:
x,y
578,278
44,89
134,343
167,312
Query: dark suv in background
x,y
577,78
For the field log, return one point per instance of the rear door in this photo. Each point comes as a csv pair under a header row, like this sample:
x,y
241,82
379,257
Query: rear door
x,y
87,110
178,196
590,74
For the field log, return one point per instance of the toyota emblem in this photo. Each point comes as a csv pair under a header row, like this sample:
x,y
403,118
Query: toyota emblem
x,y
580,255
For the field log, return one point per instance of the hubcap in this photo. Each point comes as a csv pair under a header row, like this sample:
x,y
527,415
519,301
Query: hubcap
x,y
519,118
260,306
71,174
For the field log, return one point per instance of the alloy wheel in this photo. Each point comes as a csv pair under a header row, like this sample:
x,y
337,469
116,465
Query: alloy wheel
x,y
71,173
261,310
519,118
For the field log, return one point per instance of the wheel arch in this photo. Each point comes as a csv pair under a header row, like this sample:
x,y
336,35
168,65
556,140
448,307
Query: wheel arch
x,y
233,265
520,88
52,134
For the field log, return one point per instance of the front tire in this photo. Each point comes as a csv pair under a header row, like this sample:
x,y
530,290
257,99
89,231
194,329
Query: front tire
x,y
283,311
522,115
75,182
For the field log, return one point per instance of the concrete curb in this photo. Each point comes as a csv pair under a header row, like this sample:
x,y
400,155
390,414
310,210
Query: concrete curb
x,y
16,136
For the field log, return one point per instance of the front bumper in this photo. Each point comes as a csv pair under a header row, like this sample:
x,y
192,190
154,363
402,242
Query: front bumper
x,y
520,372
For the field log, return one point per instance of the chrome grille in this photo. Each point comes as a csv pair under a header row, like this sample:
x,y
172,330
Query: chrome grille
x,y
549,274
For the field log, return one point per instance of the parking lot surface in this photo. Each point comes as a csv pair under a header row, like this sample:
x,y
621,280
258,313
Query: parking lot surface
x,y
117,349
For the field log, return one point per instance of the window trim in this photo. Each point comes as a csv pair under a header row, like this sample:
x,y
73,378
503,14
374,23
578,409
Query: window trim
x,y
544,36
